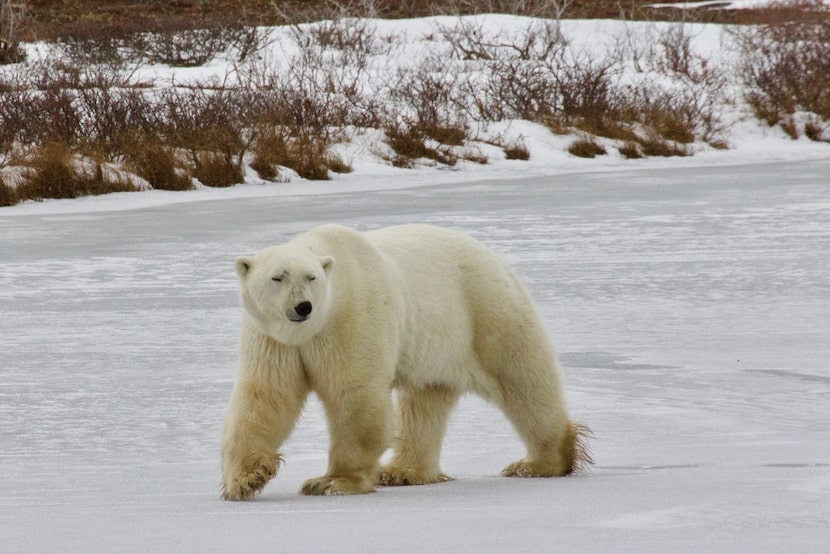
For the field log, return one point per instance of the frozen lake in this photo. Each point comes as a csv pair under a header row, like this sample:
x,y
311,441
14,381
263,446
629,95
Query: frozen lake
x,y
691,309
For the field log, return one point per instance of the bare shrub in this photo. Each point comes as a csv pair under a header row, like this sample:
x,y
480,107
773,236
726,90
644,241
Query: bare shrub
x,y
86,43
15,121
589,93
516,89
301,108
109,115
674,53
428,97
296,128
13,16
586,148
700,94
212,126
518,81
91,107
664,116
11,52
785,66
540,39
190,47
579,89
551,9
313,88
350,35
536,74
295,14
342,37
54,116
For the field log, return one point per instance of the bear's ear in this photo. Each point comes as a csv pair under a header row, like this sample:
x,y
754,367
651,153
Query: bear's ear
x,y
243,265
327,263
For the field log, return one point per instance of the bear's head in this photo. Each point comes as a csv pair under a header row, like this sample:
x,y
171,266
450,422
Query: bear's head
x,y
286,291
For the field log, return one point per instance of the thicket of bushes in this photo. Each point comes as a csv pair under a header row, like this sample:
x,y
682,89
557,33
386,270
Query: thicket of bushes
x,y
81,120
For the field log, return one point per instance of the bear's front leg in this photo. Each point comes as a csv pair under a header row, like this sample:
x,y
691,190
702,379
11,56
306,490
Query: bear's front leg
x,y
360,430
263,409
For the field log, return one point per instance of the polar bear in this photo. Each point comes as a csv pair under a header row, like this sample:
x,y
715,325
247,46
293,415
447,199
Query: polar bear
x,y
424,310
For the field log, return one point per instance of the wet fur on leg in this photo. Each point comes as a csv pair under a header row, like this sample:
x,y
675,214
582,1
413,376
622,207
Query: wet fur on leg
x,y
574,454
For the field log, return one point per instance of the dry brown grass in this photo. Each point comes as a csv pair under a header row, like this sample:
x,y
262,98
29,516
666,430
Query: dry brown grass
x,y
816,130
214,169
54,173
307,153
156,164
586,148
269,151
516,151
630,150
8,195
449,135
410,143
656,146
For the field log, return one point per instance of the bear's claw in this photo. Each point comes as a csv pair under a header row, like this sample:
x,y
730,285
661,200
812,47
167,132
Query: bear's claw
x,y
524,468
335,486
390,477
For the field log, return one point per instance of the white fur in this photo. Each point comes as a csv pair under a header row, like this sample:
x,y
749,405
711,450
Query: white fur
x,y
423,309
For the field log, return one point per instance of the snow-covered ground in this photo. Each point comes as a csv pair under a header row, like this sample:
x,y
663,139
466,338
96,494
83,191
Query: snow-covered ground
x,y
690,304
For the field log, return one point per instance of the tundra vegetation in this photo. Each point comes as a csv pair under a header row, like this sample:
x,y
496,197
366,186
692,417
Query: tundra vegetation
x,y
81,114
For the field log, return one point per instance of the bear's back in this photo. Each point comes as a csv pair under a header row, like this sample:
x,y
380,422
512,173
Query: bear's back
x,y
444,257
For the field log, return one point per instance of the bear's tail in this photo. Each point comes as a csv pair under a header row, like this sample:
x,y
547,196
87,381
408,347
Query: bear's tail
x,y
575,450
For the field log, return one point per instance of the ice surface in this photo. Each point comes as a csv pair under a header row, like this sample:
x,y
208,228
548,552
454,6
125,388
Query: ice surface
x,y
691,308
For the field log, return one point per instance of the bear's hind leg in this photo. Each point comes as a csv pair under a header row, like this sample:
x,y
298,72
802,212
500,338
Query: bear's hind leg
x,y
555,445
572,457
422,422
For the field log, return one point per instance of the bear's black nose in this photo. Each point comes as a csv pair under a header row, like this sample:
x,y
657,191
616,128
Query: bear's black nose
x,y
303,308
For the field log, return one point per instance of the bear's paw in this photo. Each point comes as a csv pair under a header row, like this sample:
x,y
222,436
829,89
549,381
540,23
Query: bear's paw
x,y
524,468
248,481
335,486
391,476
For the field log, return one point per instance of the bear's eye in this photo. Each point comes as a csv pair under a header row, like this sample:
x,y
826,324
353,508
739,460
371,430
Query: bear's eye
x,y
278,279
311,277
